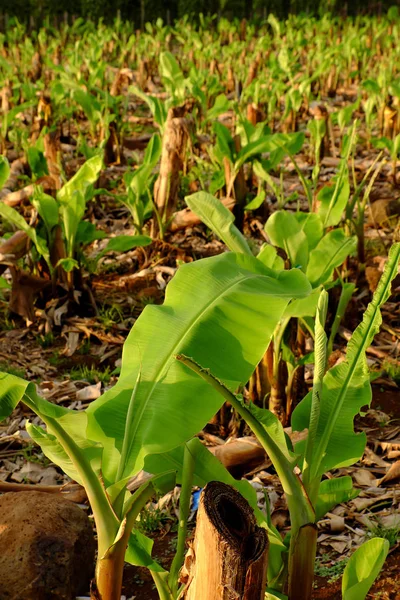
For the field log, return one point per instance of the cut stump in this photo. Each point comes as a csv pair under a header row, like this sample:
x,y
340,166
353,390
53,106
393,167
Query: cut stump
x,y
229,557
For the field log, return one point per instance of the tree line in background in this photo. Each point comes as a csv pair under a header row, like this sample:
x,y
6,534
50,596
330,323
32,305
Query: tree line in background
x,y
140,11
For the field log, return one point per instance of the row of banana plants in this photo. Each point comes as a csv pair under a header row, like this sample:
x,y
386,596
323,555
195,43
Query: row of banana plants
x,y
181,361
84,73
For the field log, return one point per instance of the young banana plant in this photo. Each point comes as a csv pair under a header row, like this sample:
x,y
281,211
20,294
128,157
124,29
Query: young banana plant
x,y
308,248
148,412
327,415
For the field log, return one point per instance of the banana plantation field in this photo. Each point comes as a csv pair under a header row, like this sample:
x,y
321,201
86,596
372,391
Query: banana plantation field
x,y
200,310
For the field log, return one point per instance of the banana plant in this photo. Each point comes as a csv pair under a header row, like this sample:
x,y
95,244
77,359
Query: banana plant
x,y
147,411
61,233
256,141
332,199
172,77
327,415
317,129
138,198
307,247
158,107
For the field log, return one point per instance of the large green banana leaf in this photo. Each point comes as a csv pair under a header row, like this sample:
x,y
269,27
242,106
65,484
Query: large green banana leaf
x,y
220,311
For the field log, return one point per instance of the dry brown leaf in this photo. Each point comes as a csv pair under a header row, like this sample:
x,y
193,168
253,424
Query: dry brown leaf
x,y
336,523
379,416
25,288
36,473
340,547
364,477
90,392
392,474
362,502
389,446
72,343
371,458
280,518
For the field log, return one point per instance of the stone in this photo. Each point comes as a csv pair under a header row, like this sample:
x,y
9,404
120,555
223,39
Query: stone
x,y
47,547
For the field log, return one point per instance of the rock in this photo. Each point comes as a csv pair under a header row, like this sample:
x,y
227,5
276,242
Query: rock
x,y
47,548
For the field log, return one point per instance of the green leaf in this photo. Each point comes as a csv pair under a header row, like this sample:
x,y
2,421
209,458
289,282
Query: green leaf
x,y
153,151
292,142
172,75
124,243
279,143
252,150
207,468
273,427
270,258
139,547
72,213
312,226
12,389
138,552
219,219
86,176
274,595
88,233
224,142
332,492
68,264
156,105
333,200
37,162
284,231
91,107
55,452
217,181
4,170
221,105
382,143
225,323
371,86
47,208
304,307
330,253
256,202
12,216
363,568
66,429
346,389
4,285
